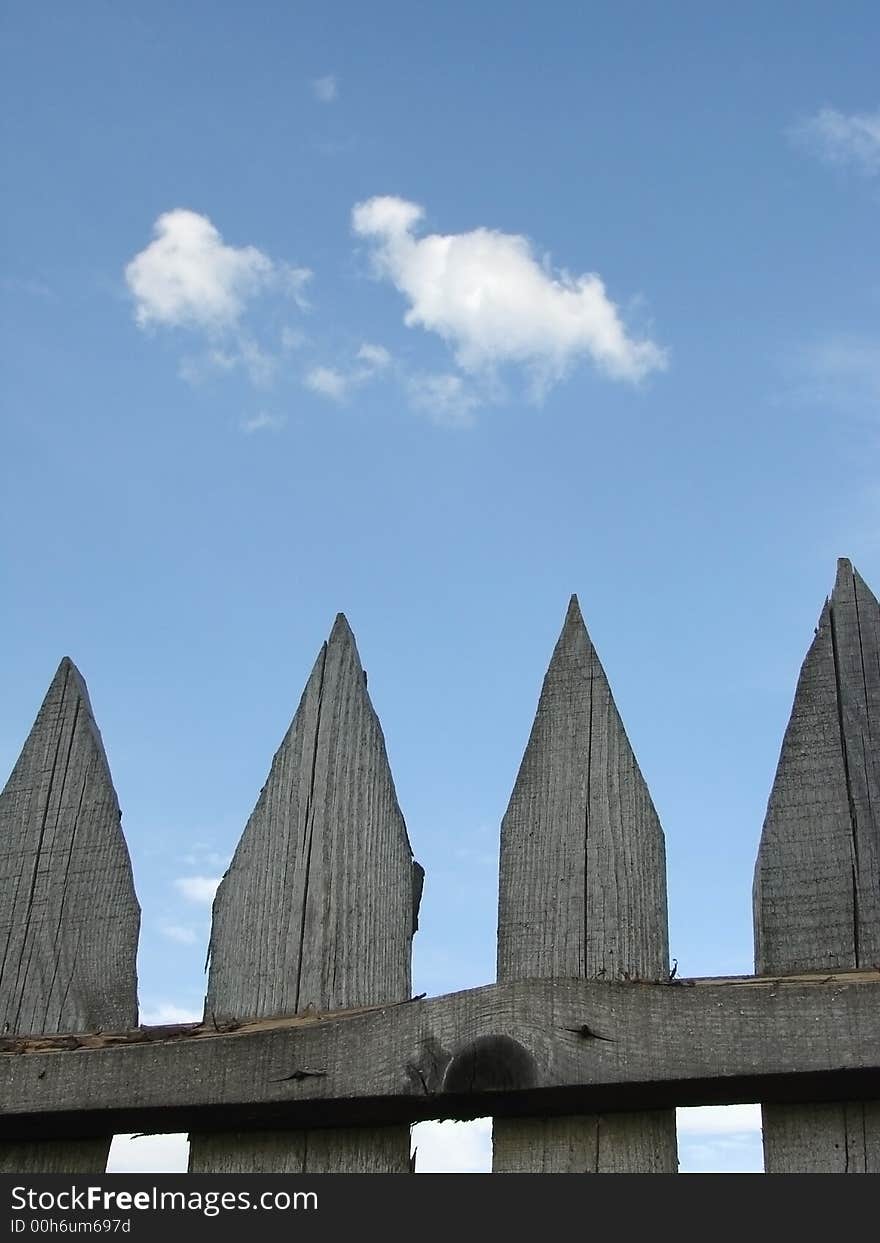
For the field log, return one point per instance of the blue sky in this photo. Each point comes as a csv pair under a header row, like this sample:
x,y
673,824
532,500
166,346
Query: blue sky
x,y
435,315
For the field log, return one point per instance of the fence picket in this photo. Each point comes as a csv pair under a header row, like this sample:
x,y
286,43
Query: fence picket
x,y
69,918
582,893
817,877
317,910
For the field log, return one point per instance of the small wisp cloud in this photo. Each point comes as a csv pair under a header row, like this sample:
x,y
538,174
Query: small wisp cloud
x,y
325,89
444,397
839,138
327,382
336,384
263,421
199,889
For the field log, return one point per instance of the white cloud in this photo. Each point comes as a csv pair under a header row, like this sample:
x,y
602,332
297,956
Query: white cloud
x,y
841,139
188,276
263,422
327,382
169,1012
325,89
198,888
203,854
374,357
295,281
335,384
385,215
244,352
222,360
453,1147
177,932
259,364
486,294
445,398
148,1154
719,1120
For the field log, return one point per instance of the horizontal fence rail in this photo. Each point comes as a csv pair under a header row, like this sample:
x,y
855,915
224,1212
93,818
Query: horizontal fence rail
x,y
557,1046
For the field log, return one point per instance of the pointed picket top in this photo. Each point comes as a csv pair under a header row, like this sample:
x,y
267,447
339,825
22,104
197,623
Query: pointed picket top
x,y
582,893
316,910
70,918
817,878
574,618
583,874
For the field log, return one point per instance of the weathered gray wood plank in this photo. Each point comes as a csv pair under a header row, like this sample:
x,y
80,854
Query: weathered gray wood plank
x,y
837,1137
556,1045
317,909
69,917
817,877
582,893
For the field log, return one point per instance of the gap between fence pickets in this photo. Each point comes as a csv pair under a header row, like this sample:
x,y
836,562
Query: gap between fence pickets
x,y
488,1050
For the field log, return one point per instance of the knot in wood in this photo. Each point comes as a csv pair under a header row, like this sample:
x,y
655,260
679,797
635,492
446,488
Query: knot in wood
x,y
490,1064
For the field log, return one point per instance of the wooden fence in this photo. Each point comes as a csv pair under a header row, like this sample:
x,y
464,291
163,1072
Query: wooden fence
x,y
312,1056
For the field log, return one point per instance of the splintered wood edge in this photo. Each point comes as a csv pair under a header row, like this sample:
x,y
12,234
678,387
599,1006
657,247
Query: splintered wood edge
x,y
65,1042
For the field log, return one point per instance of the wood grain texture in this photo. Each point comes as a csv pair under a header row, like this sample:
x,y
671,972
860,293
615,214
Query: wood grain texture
x,y
837,1137
317,910
69,918
817,877
539,1047
582,893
